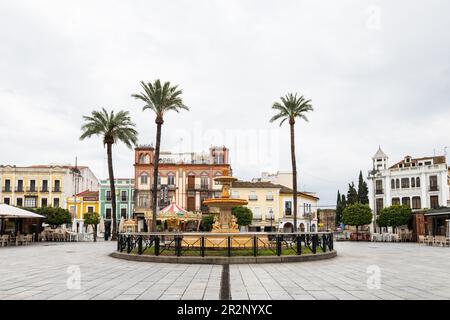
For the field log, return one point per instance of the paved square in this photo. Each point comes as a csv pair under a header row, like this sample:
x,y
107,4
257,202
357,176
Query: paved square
x,y
44,271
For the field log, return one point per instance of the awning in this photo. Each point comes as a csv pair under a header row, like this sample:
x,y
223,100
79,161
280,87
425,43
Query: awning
x,y
7,211
438,212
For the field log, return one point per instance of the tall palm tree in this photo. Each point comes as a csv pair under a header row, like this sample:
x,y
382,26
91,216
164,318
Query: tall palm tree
x,y
112,128
159,99
290,108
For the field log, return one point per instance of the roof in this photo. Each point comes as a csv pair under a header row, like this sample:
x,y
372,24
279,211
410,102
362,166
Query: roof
x,y
436,160
7,211
439,211
380,154
87,193
268,185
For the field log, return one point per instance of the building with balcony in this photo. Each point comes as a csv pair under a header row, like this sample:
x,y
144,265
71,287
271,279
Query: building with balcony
x,y
44,185
124,199
271,205
420,183
184,178
80,204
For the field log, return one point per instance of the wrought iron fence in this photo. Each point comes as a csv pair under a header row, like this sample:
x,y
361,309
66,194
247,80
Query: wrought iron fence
x,y
225,244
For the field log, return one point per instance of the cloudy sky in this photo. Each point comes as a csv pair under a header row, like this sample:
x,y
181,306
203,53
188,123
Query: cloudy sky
x,y
377,72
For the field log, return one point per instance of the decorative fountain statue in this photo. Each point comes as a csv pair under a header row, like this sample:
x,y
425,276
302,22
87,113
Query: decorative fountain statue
x,y
225,222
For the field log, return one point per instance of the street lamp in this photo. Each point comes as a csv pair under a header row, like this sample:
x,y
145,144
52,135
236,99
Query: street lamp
x,y
271,218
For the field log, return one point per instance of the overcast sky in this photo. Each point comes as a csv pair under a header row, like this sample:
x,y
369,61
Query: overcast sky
x,y
377,72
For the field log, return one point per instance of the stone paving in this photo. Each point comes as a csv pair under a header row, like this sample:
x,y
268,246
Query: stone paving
x,y
48,271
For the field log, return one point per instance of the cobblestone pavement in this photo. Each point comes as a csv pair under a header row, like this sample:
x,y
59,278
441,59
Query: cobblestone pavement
x,y
407,270
44,271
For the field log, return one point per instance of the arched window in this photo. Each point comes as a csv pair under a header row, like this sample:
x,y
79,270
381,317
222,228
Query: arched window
x,y
302,227
392,184
313,228
413,182
144,158
416,203
417,182
144,178
406,201
397,184
395,201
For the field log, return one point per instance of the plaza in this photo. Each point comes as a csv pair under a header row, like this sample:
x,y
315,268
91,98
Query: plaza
x,y
50,271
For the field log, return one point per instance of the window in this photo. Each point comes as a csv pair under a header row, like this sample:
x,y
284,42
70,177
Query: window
x,y
395,201
379,205
252,196
7,185
433,183
397,184
405,183
123,212
19,202
379,186
288,208
32,185
417,182
434,202
108,195
392,184
204,182
55,202
269,196
256,213
44,186
20,185
90,209
143,201
142,158
144,178
108,213
6,201
413,182
30,202
44,202
171,180
416,203
124,195
235,194
57,186
406,201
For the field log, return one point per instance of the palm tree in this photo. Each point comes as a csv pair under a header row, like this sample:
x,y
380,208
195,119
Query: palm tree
x,y
160,99
290,108
112,128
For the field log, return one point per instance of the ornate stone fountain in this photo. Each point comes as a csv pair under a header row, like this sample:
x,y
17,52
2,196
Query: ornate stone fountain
x,y
225,222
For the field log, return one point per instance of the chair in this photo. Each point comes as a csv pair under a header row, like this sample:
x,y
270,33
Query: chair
x,y
421,239
4,239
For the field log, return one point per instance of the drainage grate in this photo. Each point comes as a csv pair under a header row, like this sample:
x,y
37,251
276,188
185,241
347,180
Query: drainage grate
x,y
225,293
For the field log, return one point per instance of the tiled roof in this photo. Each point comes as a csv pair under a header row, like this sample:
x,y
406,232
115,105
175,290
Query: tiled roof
x,y
436,160
88,193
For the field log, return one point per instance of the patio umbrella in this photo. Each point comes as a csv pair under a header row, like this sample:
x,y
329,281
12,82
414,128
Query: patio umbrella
x,y
90,229
101,226
7,211
121,223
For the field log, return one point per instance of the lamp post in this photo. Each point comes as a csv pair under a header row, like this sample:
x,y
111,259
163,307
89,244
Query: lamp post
x,y
271,218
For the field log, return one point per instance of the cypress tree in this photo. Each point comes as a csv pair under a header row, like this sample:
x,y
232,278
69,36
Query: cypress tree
x,y
339,209
352,194
363,190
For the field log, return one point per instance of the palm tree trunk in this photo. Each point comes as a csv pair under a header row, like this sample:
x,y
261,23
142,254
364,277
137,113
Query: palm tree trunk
x,y
294,174
113,192
159,123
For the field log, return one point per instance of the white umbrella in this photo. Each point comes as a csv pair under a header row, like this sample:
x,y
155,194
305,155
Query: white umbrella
x,y
90,229
121,224
101,226
7,211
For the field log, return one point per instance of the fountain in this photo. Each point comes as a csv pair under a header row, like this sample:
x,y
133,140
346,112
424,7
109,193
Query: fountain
x,y
225,222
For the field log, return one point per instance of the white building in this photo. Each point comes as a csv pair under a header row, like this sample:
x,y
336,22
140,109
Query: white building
x,y
420,183
281,177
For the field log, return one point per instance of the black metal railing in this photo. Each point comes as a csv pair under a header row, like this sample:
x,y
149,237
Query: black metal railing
x,y
225,244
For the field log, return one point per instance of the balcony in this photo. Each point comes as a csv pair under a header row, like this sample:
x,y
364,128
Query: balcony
x,y
252,198
32,190
379,191
198,186
56,189
8,189
44,189
19,189
269,198
433,188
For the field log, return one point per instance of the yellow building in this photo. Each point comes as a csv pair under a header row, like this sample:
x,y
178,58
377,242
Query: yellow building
x,y
84,202
271,205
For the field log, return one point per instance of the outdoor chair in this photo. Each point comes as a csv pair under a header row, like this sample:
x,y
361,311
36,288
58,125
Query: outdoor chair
x,y
422,239
4,240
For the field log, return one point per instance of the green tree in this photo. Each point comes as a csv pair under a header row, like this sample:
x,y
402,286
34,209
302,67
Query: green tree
x,y
352,194
395,216
290,108
339,209
363,190
207,222
243,215
112,127
159,99
93,219
357,215
55,216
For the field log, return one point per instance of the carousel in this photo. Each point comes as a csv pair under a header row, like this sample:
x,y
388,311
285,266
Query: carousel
x,y
175,218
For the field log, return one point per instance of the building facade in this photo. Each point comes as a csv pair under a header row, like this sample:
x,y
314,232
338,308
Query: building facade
x,y
83,202
124,198
420,183
281,177
184,178
44,185
272,205
326,219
